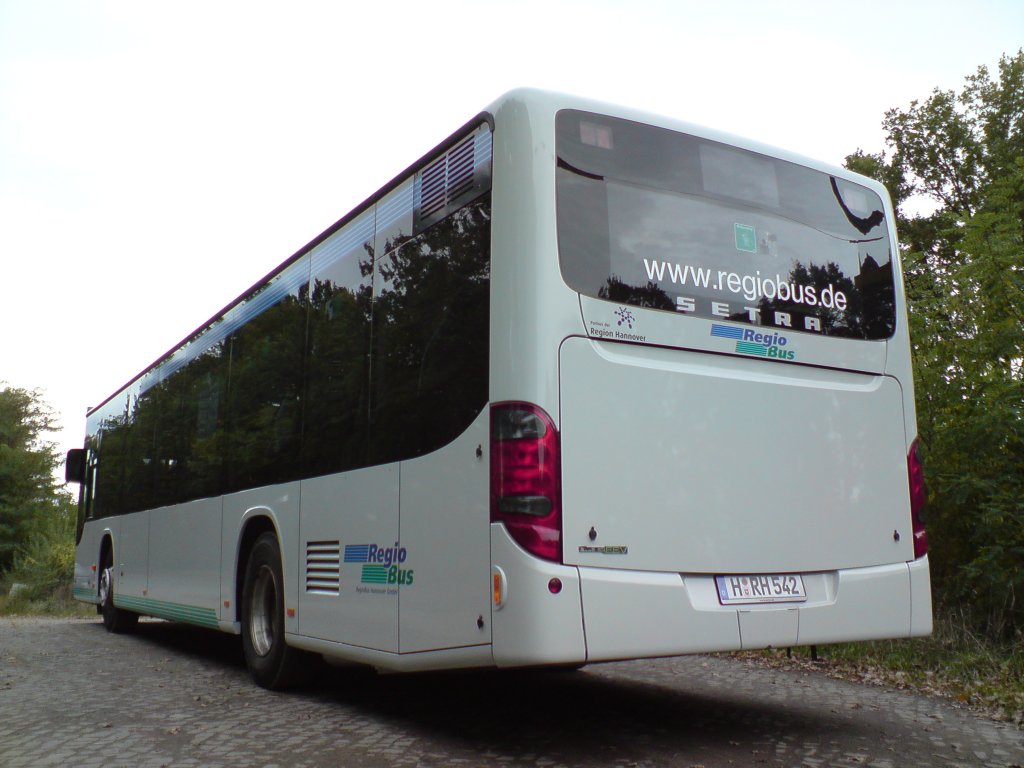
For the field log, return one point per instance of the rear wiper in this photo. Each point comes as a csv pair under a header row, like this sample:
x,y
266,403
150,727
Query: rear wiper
x,y
579,172
861,225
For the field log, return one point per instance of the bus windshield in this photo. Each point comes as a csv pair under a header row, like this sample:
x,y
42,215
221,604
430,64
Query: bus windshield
x,y
654,218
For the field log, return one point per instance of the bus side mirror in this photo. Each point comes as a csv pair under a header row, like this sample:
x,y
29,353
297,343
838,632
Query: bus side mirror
x,y
74,467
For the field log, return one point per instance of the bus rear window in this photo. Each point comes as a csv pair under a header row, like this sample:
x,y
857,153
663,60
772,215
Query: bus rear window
x,y
653,218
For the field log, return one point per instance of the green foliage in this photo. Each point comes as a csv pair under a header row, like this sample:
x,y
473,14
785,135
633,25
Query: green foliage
x,y
44,567
954,662
964,264
47,561
28,491
37,518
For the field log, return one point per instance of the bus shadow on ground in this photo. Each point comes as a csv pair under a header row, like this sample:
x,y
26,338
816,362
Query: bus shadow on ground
x,y
573,715
555,713
195,642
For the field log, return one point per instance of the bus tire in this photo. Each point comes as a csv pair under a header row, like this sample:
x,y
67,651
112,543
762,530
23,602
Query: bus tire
x,y
114,619
271,662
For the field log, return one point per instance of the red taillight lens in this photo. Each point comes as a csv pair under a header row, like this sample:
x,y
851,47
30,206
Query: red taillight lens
x,y
526,490
918,500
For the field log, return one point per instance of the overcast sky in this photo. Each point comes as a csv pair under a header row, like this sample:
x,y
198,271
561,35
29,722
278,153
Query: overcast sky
x,y
158,158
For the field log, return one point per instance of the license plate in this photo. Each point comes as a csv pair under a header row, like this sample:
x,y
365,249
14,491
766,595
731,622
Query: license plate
x,y
761,588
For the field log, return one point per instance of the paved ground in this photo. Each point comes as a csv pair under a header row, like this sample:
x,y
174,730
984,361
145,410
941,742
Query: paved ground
x,y
73,695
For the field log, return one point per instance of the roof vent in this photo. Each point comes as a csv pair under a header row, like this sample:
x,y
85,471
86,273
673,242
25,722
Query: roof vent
x,y
455,178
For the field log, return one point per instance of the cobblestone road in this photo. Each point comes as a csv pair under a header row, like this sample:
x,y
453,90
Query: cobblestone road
x,y
73,695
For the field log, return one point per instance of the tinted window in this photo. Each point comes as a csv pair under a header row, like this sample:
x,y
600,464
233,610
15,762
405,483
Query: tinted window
x,y
371,347
265,383
659,219
203,410
190,436
107,443
337,402
430,335
172,437
139,465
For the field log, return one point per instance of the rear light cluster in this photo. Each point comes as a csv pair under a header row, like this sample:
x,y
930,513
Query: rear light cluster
x,y
918,500
526,488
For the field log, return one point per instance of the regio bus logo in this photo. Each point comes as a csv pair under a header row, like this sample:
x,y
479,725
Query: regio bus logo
x,y
751,342
381,565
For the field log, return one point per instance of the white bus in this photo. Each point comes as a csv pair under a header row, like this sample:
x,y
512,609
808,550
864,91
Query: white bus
x,y
583,384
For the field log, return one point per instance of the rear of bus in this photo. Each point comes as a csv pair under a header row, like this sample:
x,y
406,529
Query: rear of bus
x,y
702,419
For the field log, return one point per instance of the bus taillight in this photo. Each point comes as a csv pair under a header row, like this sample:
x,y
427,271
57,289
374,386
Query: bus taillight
x,y
525,470
918,500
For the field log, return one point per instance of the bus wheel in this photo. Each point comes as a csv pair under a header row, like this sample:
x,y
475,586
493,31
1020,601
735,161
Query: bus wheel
x,y
114,619
271,662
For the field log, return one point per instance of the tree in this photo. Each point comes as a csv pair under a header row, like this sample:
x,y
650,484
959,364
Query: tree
x,y
964,265
28,490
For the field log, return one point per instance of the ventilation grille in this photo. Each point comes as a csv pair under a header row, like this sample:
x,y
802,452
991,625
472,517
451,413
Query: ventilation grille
x,y
453,179
323,567
447,178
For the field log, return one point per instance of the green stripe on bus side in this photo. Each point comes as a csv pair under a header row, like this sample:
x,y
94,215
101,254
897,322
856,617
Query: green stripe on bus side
x,y
84,593
192,614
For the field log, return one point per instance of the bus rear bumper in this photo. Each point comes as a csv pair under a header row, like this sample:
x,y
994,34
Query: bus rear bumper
x,y
630,614
607,614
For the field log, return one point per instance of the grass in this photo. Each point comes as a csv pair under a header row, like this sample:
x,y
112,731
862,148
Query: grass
x,y
33,602
954,663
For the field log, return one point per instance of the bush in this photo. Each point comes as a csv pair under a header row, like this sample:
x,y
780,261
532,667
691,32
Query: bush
x,y
44,567
957,662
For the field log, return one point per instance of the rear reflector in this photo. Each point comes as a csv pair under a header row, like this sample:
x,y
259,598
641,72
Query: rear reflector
x,y
498,587
918,500
525,478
